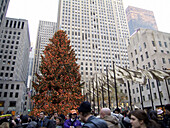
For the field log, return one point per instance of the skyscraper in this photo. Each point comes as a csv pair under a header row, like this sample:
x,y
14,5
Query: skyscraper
x,y
14,55
140,18
46,31
98,32
3,9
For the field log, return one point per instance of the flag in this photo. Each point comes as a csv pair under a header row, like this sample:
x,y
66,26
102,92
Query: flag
x,y
137,76
146,73
119,78
159,74
122,72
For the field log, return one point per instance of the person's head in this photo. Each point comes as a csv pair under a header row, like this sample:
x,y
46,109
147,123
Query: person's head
x,y
73,114
55,114
153,115
24,119
42,114
105,112
117,110
62,116
67,116
167,108
138,118
59,120
84,110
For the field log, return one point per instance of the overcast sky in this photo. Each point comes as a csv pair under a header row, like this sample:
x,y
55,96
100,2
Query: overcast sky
x,y
35,10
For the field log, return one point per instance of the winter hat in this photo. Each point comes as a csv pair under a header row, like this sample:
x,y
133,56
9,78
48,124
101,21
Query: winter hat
x,y
85,107
73,111
159,111
167,107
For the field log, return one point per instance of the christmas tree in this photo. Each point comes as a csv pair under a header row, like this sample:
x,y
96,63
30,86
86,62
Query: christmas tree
x,y
58,86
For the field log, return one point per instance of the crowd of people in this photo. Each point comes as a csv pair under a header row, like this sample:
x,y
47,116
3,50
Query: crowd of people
x,y
83,118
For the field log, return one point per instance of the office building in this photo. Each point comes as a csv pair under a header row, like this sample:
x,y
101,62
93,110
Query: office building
x,y
46,31
14,55
149,49
140,18
98,32
3,9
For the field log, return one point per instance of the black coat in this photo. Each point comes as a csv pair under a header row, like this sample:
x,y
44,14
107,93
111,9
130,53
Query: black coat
x,y
46,123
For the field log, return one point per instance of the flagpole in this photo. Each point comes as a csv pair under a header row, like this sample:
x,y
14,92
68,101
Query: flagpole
x,y
167,89
107,70
93,95
166,83
130,98
97,95
115,84
102,95
160,98
89,92
150,93
141,95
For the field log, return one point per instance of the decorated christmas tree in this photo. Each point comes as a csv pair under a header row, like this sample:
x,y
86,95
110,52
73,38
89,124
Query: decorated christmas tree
x,y
58,87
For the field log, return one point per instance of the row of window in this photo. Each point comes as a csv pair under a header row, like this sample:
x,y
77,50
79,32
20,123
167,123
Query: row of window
x,y
164,61
149,97
9,86
11,103
11,94
14,24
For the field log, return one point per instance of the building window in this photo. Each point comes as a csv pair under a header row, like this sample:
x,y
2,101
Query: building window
x,y
134,100
12,86
143,98
133,63
159,83
1,86
138,99
125,91
137,90
16,95
11,94
17,86
12,104
147,86
137,61
141,57
153,43
153,85
146,54
133,91
165,44
155,96
160,44
6,86
149,65
5,94
144,45
2,103
163,60
149,97
154,62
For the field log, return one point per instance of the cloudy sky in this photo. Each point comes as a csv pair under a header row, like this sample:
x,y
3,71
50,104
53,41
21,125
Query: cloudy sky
x,y
35,10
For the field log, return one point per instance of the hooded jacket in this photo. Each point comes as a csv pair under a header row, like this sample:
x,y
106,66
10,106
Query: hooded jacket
x,y
111,121
94,122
